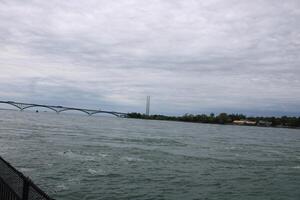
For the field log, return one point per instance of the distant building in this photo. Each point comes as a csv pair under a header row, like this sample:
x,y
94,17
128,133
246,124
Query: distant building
x,y
244,122
264,123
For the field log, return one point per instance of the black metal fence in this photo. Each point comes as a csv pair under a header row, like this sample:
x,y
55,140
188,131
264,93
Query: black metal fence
x,y
15,186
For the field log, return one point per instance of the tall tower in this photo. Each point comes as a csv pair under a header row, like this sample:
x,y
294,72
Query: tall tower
x,y
148,106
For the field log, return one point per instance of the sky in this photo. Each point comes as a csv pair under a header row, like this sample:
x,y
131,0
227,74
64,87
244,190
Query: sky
x,y
190,56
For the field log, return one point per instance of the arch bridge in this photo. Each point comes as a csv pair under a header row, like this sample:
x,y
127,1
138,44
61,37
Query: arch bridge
x,y
59,109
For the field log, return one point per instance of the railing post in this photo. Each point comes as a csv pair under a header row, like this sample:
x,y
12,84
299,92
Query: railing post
x,y
25,189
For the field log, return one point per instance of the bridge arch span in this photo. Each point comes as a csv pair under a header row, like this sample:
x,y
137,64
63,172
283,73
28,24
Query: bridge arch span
x,y
74,109
12,104
58,109
111,113
33,106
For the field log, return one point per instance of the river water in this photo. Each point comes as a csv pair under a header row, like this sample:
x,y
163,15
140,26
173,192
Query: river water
x,y
76,157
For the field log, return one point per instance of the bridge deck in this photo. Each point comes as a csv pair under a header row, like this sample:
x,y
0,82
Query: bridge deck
x,y
58,109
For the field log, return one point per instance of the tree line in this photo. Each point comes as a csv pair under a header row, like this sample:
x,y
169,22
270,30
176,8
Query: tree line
x,y
224,118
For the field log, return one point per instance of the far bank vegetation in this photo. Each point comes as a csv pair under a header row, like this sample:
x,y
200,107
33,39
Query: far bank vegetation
x,y
224,118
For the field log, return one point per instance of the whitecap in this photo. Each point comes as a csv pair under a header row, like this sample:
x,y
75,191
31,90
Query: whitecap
x,y
23,169
61,187
132,159
50,165
102,155
71,155
96,172
230,148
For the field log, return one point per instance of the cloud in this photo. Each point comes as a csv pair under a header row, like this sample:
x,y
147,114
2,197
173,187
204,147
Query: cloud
x,y
190,56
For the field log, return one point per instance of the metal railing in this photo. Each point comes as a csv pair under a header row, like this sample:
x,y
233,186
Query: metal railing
x,y
15,186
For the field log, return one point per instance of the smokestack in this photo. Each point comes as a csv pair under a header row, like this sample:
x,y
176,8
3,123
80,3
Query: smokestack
x,y
148,106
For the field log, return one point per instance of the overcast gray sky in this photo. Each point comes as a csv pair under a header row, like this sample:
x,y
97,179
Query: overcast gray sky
x,y
190,56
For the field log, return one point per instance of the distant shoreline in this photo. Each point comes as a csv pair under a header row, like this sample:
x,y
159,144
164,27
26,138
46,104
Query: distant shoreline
x,y
221,119
227,119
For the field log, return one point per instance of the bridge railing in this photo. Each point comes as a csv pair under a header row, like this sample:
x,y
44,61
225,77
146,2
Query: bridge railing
x,y
15,186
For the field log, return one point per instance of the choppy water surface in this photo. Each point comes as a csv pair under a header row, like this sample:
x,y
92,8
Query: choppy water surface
x,y
80,157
